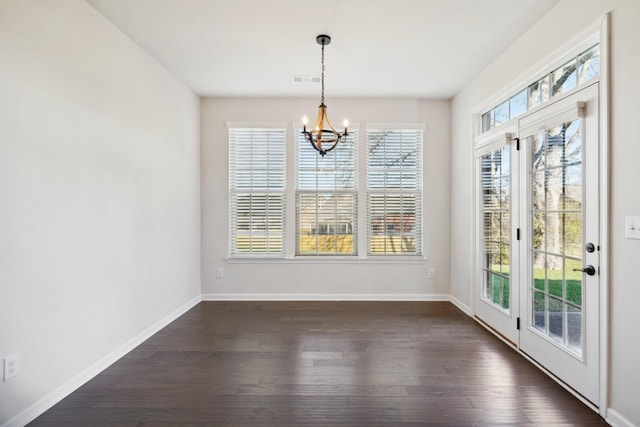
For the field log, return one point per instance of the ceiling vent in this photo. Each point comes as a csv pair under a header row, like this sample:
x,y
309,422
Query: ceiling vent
x,y
306,79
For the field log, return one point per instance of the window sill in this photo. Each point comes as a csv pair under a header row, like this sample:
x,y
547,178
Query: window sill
x,y
329,260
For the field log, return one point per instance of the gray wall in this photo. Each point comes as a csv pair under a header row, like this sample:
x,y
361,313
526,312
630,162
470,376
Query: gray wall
x,y
324,279
99,197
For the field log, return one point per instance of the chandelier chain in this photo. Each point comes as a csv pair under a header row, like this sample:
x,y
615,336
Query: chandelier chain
x,y
322,99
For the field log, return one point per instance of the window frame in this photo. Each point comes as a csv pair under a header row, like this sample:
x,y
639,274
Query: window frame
x,y
234,175
353,191
417,192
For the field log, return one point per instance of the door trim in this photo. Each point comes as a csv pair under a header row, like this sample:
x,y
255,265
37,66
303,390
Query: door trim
x,y
605,203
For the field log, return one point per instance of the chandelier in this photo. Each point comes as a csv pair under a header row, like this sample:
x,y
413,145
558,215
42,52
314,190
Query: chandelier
x,y
323,136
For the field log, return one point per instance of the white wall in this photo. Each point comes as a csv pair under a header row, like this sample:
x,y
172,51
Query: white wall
x,y
562,24
312,279
99,197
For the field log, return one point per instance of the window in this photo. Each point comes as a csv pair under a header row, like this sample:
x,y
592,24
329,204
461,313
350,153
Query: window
x,y
326,199
394,191
257,171
577,71
327,195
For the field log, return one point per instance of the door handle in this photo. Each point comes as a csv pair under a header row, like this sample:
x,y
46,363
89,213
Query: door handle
x,y
589,270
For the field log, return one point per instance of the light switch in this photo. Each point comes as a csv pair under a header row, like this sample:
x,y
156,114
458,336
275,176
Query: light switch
x,y
632,227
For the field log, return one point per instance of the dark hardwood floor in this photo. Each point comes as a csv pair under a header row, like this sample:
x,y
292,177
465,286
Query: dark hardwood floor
x,y
321,363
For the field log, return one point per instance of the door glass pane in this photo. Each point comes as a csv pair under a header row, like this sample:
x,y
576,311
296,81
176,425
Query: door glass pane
x,y
539,311
554,275
556,319
556,174
574,327
539,243
572,245
496,225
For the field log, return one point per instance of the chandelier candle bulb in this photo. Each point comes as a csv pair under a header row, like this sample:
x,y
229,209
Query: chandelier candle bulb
x,y
305,120
346,125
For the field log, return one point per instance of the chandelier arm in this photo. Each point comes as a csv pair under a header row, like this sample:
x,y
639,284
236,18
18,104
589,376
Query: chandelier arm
x,y
326,118
334,141
335,144
319,126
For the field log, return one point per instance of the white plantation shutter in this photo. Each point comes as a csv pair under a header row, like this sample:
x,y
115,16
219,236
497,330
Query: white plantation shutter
x,y
257,176
394,191
326,199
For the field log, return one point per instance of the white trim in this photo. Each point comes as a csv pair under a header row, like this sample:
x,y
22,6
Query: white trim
x,y
462,306
47,402
325,297
310,259
291,172
361,186
617,420
605,120
395,125
497,137
555,110
471,247
256,125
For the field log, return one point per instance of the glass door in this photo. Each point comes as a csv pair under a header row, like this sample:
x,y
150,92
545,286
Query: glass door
x,y
559,282
496,297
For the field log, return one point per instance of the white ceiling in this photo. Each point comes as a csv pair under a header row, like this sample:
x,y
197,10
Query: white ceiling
x,y
379,48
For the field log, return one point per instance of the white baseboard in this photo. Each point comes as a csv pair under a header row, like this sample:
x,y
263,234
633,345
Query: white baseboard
x,y
465,308
617,420
325,297
47,402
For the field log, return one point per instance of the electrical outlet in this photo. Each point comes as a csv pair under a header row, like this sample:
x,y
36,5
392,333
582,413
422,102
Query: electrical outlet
x,y
220,273
11,366
432,273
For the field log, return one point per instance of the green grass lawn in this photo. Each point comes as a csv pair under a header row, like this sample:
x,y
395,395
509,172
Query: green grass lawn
x,y
500,285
